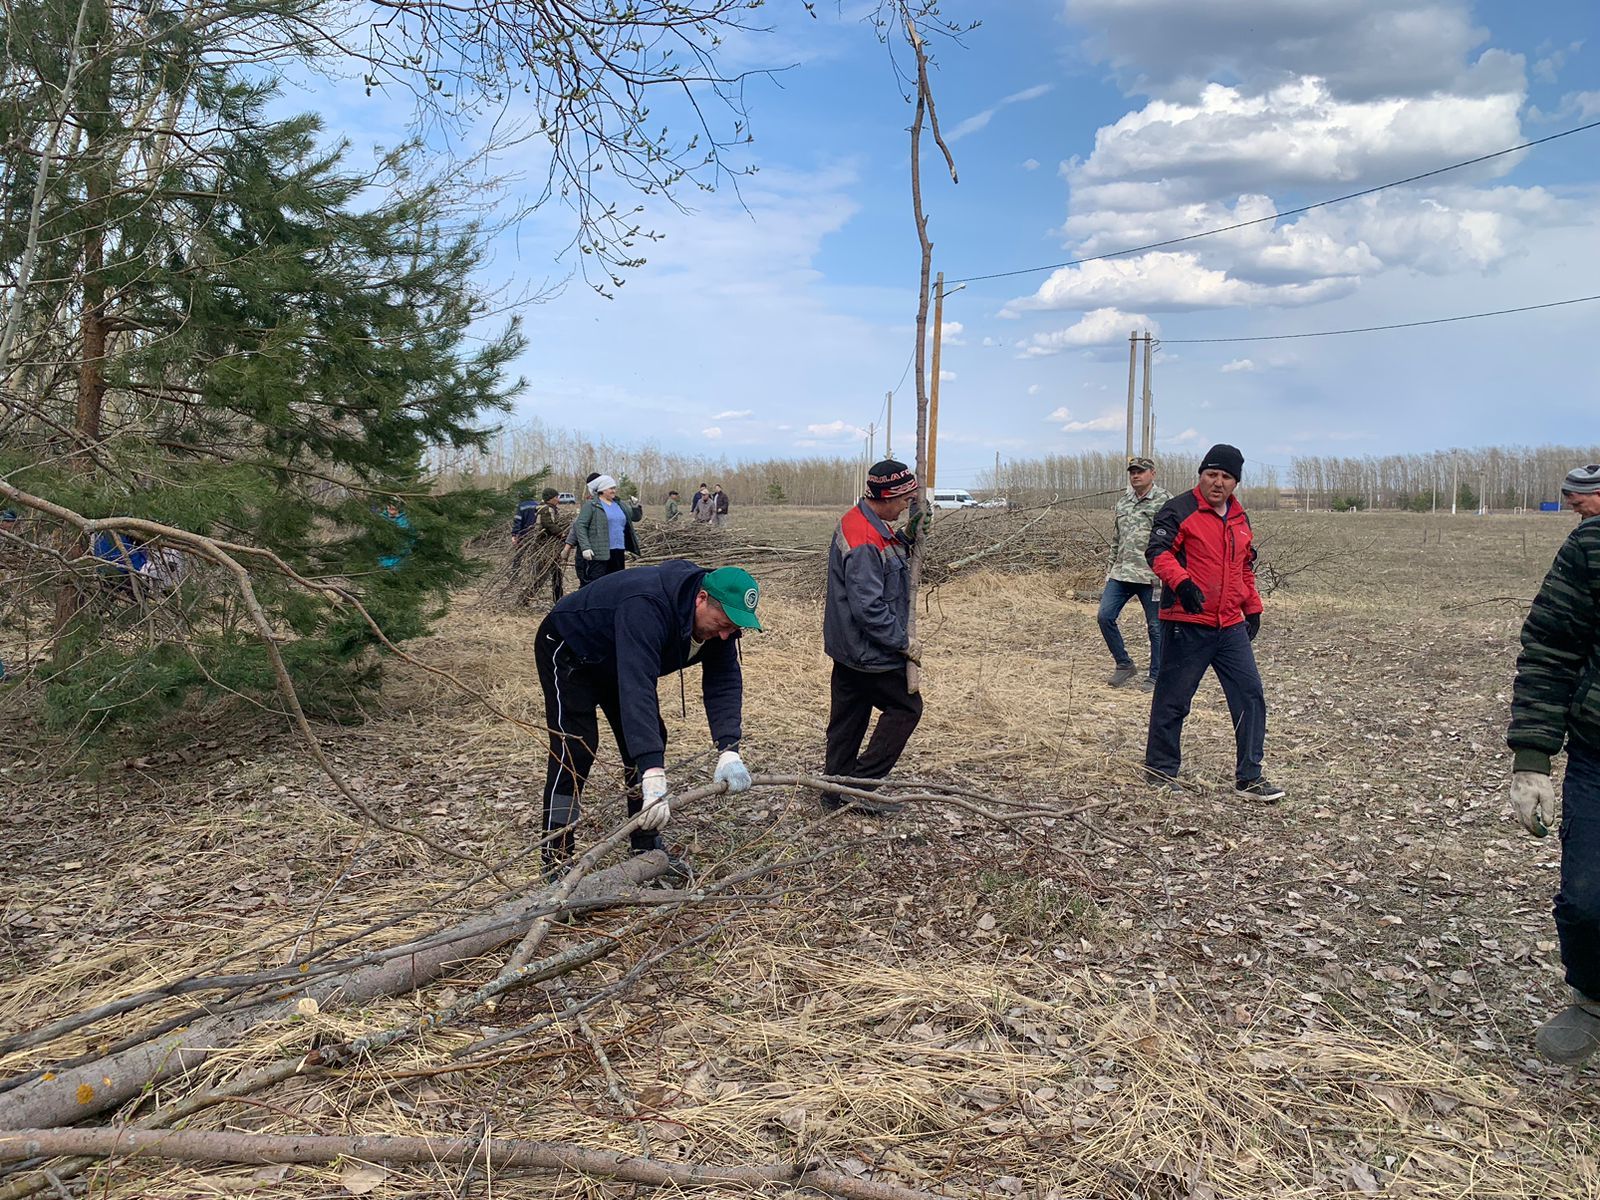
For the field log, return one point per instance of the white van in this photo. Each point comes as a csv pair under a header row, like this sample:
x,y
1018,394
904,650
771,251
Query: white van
x,y
952,498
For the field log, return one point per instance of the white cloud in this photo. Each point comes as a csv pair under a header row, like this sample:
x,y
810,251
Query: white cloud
x,y
1298,134
1030,164
1105,421
836,430
1102,327
1188,435
946,376
1165,282
1238,364
734,414
712,432
950,333
1033,389
979,120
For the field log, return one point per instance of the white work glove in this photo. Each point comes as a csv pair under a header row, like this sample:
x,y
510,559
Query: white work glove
x,y
656,808
732,771
1533,798
588,555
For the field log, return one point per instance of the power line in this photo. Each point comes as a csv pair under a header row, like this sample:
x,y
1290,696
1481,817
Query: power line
x,y
1283,337
1288,212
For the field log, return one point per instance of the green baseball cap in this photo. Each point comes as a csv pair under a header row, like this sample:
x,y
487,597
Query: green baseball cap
x,y
737,591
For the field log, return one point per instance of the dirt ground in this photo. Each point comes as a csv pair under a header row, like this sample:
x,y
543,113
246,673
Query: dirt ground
x,y
1330,996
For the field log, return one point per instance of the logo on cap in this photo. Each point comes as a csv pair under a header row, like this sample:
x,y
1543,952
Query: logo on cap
x,y
750,598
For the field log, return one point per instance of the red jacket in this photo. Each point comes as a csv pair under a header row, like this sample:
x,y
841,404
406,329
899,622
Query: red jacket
x,y
1189,541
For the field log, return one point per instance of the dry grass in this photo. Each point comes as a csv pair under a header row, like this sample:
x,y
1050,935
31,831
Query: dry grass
x,y
1331,997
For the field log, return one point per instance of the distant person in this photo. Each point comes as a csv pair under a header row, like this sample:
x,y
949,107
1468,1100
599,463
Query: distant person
x,y
604,648
527,514
674,507
605,532
396,516
1555,701
865,630
571,548
719,507
1202,549
701,508
548,545
1130,575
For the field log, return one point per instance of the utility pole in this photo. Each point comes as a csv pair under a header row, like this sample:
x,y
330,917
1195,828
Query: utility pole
x,y
997,474
1454,490
872,443
888,427
1483,493
933,388
1144,447
1133,352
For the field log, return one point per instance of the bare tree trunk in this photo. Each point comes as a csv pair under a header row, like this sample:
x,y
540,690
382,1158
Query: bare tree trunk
x,y
205,1146
924,107
94,1087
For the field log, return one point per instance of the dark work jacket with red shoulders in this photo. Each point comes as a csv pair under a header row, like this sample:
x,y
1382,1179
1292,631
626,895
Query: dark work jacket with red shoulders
x,y
1218,554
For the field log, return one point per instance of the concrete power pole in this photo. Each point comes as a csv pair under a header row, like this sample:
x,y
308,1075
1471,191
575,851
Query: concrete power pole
x,y
997,473
1133,352
1145,442
1454,490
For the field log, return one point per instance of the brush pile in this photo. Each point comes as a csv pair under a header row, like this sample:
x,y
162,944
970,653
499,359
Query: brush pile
x,y
1057,537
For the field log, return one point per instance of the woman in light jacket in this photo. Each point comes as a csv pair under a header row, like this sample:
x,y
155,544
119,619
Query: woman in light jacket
x,y
605,532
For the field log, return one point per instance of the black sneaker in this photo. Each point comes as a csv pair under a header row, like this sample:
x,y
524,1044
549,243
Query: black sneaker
x,y
867,808
1261,788
1147,684
1122,674
1164,785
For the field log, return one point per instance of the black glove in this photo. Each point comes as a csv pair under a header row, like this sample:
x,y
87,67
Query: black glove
x,y
1252,624
1191,597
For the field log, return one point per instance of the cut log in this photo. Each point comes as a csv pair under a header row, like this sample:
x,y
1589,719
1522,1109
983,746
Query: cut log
x,y
85,1091
201,1146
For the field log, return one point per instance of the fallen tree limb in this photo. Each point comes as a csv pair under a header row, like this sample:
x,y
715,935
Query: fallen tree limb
x,y
84,1091
201,1146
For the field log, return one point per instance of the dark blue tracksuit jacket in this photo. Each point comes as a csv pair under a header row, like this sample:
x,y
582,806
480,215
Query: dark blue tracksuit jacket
x,y
638,625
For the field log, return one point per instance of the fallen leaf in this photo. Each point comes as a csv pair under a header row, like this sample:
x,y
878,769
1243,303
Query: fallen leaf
x,y
360,1178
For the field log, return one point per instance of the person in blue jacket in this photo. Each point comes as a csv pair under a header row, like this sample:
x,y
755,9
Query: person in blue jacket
x,y
602,648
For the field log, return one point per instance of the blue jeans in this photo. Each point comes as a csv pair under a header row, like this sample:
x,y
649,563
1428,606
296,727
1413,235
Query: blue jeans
x,y
1117,594
1578,901
1188,650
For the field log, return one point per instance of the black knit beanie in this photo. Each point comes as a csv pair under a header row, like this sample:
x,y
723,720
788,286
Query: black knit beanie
x,y
1223,457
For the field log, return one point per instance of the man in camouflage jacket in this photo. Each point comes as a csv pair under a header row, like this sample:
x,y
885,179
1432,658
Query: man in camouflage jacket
x,y
1554,702
1130,574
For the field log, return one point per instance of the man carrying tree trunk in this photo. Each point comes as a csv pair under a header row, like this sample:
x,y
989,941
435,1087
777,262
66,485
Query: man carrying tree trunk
x,y
604,647
1555,702
864,631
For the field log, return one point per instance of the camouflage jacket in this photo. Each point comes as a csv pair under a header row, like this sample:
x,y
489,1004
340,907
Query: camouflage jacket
x,y
1132,534
1556,698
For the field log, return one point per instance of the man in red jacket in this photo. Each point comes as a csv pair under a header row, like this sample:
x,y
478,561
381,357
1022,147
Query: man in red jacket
x,y
1202,550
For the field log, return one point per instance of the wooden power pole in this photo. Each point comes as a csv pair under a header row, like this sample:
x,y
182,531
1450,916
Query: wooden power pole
x,y
933,383
1133,359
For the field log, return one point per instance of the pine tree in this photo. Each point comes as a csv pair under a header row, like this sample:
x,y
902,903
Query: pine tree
x,y
218,324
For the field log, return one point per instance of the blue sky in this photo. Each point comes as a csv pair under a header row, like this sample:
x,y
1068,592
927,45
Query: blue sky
x,y
772,321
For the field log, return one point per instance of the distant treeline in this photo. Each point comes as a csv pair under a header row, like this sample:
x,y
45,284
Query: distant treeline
x,y
1033,480
571,456
1501,478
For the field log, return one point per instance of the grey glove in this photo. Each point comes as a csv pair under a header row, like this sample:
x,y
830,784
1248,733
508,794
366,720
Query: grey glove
x,y
913,650
1533,798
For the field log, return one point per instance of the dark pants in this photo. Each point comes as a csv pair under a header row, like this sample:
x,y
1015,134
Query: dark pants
x,y
572,693
855,695
1578,901
1186,651
591,569
1118,592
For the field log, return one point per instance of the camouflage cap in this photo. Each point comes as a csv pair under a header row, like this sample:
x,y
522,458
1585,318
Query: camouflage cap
x,y
1139,462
